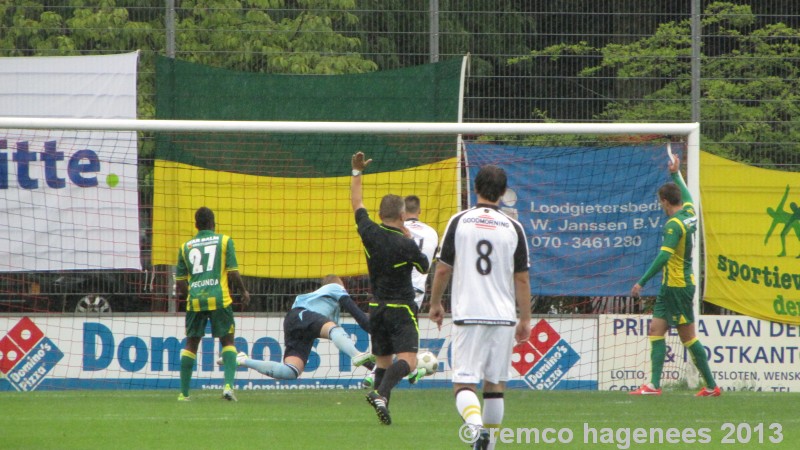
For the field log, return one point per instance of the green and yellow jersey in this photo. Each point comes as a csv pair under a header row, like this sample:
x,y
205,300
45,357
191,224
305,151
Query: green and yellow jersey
x,y
204,262
675,257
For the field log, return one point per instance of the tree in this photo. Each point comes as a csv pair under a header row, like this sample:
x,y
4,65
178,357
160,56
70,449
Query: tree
x,y
270,36
750,79
396,33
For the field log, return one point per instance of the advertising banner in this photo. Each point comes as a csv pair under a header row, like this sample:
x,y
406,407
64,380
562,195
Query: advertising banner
x,y
590,214
752,234
68,199
143,352
744,353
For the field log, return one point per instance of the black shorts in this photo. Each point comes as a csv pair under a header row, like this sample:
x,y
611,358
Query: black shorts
x,y
301,328
393,328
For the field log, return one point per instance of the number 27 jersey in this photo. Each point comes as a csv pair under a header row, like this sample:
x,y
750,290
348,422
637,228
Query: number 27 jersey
x,y
486,248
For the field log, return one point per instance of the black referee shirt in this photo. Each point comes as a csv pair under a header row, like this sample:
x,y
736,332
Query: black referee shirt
x,y
390,259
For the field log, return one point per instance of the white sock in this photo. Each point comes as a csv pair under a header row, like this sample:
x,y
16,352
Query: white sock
x,y
469,407
493,410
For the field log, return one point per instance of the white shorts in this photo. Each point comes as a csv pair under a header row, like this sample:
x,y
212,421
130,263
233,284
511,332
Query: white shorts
x,y
482,352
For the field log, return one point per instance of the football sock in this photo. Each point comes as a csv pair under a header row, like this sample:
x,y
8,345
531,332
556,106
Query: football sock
x,y
701,361
377,379
658,350
273,369
469,407
188,360
342,341
229,363
396,372
493,410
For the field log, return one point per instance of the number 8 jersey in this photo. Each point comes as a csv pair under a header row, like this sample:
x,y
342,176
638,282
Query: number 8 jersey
x,y
485,247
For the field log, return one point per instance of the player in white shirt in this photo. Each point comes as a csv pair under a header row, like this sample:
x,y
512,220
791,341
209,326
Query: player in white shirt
x,y
485,252
427,239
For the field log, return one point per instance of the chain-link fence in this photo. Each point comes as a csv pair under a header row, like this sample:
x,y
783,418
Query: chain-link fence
x,y
734,66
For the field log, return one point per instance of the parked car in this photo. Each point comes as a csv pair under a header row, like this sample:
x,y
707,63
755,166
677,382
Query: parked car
x,y
95,292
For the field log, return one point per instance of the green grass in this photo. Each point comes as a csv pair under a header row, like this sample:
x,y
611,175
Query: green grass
x,y
343,419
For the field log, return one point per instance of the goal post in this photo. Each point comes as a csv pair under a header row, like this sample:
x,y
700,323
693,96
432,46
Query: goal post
x,y
281,190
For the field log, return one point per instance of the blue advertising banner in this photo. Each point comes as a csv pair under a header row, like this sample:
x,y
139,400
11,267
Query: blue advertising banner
x,y
590,213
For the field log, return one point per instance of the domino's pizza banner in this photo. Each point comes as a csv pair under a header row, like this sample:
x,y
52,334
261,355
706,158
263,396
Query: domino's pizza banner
x,y
607,352
143,352
68,199
744,353
591,215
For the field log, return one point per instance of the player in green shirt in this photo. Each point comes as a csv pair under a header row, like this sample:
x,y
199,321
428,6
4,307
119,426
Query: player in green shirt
x,y
205,264
673,307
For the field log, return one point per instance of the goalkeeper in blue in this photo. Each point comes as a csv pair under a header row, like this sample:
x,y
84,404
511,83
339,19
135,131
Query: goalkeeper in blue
x,y
673,307
314,315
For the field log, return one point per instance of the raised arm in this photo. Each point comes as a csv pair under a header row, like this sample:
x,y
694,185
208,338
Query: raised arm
x,y
358,163
674,170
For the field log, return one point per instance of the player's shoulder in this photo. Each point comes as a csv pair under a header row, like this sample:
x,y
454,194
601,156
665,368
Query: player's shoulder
x,y
420,227
680,221
333,289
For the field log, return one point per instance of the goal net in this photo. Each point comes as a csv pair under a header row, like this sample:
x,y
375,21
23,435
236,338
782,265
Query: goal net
x,y
95,211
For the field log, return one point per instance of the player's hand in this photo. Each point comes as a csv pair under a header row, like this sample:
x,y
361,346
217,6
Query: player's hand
x,y
405,231
675,165
359,161
245,298
636,290
436,314
523,331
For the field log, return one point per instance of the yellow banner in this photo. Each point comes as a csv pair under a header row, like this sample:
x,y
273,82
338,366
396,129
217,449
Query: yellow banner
x,y
289,227
751,220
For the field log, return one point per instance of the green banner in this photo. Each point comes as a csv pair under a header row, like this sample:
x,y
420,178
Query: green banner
x,y
283,197
428,93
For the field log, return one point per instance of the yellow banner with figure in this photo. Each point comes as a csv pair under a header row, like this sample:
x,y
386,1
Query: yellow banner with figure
x,y
751,222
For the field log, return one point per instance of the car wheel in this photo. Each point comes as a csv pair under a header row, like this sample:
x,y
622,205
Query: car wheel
x,y
93,304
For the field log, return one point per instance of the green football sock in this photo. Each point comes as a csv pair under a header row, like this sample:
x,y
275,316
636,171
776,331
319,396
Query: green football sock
x,y
188,360
701,361
658,350
229,363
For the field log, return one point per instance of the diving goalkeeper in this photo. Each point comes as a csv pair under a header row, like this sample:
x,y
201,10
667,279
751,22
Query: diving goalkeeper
x,y
314,315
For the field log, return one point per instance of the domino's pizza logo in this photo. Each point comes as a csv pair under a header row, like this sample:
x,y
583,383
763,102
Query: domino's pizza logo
x,y
544,359
27,355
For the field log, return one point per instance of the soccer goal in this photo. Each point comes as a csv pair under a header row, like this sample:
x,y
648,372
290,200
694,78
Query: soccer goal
x,y
95,211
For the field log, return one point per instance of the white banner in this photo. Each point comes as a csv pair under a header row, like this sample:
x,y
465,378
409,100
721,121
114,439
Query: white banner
x,y
68,199
744,353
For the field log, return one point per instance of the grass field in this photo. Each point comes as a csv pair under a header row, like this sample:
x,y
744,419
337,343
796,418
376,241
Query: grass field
x,y
422,419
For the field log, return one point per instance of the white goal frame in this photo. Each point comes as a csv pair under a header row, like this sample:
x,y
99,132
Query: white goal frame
x,y
690,130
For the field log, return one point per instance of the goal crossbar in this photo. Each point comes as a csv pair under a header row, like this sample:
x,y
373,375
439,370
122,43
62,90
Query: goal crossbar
x,y
39,123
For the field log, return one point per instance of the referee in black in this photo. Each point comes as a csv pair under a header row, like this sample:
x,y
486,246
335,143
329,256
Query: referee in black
x,y
391,256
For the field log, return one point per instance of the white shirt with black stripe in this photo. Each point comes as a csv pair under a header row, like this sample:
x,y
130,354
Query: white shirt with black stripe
x,y
485,247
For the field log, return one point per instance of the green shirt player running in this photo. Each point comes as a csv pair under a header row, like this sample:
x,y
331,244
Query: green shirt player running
x,y
673,307
205,264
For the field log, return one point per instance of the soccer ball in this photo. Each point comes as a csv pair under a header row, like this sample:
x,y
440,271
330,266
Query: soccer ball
x,y
428,361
